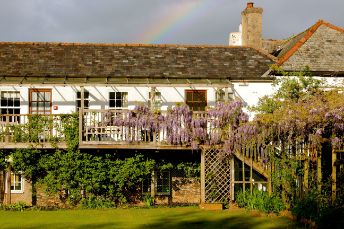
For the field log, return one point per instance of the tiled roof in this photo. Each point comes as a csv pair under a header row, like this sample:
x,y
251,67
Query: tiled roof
x,y
131,61
320,47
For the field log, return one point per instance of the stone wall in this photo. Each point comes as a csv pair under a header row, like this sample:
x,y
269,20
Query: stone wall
x,y
186,190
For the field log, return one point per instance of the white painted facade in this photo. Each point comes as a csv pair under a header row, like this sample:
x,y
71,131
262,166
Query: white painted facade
x,y
64,97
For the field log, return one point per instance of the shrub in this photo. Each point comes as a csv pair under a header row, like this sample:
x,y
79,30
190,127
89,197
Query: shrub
x,y
93,202
149,201
19,206
259,200
307,207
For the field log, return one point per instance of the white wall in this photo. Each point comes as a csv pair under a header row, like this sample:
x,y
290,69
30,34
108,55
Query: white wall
x,y
65,96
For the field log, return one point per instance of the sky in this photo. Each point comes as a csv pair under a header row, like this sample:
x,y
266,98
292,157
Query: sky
x,y
155,21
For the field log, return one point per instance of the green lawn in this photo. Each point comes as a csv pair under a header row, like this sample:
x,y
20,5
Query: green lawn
x,y
156,218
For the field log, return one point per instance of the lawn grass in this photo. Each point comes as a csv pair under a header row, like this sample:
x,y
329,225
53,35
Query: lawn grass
x,y
155,218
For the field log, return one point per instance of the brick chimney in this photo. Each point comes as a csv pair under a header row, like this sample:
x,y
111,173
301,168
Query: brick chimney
x,y
251,21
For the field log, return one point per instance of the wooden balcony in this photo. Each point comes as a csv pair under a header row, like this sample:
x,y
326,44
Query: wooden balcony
x,y
96,128
27,130
113,129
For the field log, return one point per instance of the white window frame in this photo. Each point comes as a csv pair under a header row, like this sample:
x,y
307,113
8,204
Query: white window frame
x,y
21,183
123,99
13,95
220,95
86,100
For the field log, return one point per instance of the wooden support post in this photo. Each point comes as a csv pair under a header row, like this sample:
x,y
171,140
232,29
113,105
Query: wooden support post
x,y
154,183
8,184
7,132
334,175
203,175
2,186
81,113
232,191
306,173
251,175
319,173
226,94
152,98
243,174
270,170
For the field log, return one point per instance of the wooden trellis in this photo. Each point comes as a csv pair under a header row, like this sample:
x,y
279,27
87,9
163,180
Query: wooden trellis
x,y
216,176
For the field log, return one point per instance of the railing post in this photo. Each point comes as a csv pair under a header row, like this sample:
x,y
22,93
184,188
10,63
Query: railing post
x,y
7,136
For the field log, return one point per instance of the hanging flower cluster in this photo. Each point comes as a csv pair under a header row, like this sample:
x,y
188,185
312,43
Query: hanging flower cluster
x,y
312,121
180,125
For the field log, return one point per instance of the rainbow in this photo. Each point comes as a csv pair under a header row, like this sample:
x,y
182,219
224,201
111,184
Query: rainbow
x,y
179,18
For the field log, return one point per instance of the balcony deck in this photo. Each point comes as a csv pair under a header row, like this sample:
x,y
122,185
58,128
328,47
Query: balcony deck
x,y
97,129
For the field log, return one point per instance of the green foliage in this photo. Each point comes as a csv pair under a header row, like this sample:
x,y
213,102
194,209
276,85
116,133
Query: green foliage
x,y
258,200
307,207
94,202
28,162
190,169
70,126
76,175
291,86
149,201
317,207
19,206
2,160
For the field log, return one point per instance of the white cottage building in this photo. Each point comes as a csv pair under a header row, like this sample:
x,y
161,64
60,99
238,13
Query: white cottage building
x,y
51,79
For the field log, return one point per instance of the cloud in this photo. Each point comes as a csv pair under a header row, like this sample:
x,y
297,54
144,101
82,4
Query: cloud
x,y
122,21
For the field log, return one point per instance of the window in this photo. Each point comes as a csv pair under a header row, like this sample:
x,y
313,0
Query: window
x,y
10,104
40,101
118,100
157,100
146,185
17,185
220,95
196,99
86,100
162,183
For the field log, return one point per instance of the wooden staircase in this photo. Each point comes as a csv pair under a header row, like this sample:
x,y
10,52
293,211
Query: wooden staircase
x,y
257,166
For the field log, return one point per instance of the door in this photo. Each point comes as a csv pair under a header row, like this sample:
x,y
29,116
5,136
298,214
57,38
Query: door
x,y
40,101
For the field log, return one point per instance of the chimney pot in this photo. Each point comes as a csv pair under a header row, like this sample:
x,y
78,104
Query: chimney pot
x,y
250,5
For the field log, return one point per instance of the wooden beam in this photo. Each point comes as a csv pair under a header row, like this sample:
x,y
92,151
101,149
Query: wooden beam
x,y
8,184
334,175
319,172
203,175
232,179
81,113
306,173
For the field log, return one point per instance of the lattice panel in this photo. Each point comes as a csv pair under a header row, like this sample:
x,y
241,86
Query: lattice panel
x,y
217,176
